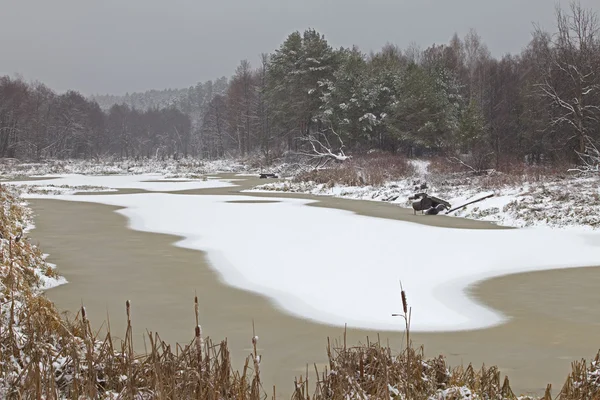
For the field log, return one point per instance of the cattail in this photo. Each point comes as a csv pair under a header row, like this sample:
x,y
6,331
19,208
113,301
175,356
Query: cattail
x,y
198,343
84,321
255,356
128,307
404,302
196,309
548,392
199,339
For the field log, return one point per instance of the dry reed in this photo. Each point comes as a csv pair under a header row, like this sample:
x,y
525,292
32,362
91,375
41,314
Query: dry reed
x,y
374,169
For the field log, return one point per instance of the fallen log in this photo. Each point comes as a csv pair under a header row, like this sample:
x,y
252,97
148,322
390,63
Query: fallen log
x,y
469,203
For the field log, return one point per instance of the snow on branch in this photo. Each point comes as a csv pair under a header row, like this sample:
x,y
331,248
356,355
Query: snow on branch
x,y
321,149
590,159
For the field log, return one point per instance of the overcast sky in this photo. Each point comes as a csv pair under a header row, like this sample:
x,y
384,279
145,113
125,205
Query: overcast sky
x,y
118,46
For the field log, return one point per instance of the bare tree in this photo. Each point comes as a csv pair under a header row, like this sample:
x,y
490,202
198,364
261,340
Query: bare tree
x,y
14,99
263,109
476,53
213,129
242,105
571,78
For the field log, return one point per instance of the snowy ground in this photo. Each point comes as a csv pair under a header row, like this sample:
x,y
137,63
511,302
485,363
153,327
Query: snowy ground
x,y
186,168
557,202
336,267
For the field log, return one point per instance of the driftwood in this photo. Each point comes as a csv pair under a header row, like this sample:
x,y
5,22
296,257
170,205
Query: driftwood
x,y
431,205
469,203
265,176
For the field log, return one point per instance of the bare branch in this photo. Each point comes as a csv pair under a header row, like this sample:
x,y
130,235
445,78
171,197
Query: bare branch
x,y
321,149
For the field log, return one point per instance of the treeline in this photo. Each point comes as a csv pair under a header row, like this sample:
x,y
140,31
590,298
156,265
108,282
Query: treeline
x,y
37,123
455,99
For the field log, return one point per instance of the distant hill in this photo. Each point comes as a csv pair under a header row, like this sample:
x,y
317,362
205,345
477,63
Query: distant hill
x,y
144,100
192,101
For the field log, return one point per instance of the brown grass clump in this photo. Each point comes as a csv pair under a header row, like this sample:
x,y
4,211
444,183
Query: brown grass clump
x,y
451,166
448,172
371,371
366,170
584,381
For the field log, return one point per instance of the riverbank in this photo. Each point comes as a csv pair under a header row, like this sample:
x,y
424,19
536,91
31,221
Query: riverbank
x,y
529,198
526,196
185,167
467,353
435,381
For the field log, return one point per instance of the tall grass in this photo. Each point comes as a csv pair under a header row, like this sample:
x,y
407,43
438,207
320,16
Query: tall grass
x,y
363,170
508,173
56,359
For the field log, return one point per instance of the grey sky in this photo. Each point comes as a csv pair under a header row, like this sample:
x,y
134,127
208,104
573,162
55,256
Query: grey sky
x,y
118,46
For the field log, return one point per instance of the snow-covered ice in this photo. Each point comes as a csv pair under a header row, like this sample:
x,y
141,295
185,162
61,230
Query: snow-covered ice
x,y
150,182
336,267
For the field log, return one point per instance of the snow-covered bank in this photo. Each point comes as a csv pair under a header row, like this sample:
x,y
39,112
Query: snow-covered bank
x,y
186,167
69,184
17,255
23,276
556,202
519,201
336,267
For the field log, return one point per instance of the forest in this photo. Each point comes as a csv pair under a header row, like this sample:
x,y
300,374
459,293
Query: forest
x,y
306,97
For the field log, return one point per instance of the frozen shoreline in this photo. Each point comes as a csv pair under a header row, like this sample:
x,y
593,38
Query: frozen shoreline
x,y
316,273
572,204
566,202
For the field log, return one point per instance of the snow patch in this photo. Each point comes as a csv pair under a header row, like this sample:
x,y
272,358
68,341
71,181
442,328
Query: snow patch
x,y
68,184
